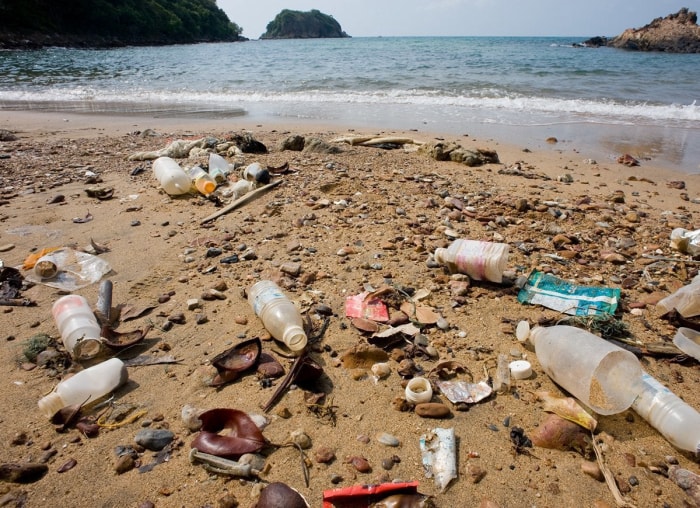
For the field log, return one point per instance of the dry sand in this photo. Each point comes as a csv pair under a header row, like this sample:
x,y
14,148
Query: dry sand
x,y
387,209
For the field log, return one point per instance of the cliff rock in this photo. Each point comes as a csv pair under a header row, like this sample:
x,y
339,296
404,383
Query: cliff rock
x,y
676,33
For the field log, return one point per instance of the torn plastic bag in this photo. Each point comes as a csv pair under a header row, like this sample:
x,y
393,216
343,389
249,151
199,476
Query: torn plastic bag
x,y
439,452
685,300
75,270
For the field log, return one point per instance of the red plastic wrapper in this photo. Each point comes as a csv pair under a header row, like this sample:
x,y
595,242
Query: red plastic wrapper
x,y
362,496
358,306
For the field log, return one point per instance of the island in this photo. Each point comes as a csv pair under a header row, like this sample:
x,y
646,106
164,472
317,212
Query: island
x,y
313,24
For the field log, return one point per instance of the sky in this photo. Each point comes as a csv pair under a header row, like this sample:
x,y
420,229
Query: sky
x,y
370,18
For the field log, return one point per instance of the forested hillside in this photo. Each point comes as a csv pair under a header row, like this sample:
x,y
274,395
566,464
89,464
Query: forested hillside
x,y
35,23
313,24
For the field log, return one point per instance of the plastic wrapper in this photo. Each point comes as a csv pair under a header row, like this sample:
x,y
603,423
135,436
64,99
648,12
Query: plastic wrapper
x,y
463,392
439,452
686,300
75,270
687,242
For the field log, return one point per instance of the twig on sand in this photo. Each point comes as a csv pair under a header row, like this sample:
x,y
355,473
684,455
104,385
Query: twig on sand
x,y
240,201
609,478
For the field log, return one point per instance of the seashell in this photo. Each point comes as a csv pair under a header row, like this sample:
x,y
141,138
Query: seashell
x,y
418,390
278,494
387,439
560,434
232,362
300,438
245,436
365,325
381,370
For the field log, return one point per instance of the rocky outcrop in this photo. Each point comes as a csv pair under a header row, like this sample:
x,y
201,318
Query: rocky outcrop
x,y
676,33
314,24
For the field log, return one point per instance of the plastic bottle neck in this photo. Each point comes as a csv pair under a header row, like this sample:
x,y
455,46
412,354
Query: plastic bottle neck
x,y
295,338
50,404
440,255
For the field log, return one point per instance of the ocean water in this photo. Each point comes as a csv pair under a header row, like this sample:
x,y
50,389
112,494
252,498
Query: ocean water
x,y
519,89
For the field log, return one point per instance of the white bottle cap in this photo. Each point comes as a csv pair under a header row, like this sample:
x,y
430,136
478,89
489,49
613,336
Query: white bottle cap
x,y
522,331
520,369
419,390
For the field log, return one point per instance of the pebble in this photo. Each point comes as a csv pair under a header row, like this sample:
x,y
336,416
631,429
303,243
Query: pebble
x,y
6,247
432,410
154,439
123,464
388,439
592,469
324,455
300,438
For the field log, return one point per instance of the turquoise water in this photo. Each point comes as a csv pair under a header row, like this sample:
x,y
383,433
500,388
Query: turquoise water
x,y
525,87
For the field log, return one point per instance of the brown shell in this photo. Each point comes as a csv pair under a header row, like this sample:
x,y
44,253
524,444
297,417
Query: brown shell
x,y
244,435
232,362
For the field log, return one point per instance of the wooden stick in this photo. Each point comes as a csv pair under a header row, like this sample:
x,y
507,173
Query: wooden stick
x,y
240,201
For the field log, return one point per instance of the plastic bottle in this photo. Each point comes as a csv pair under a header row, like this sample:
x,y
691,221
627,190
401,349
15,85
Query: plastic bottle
x,y
678,422
255,173
87,386
279,315
78,326
480,260
242,187
218,168
171,176
201,180
603,376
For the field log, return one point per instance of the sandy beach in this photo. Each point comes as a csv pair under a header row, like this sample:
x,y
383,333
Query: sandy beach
x,y
363,217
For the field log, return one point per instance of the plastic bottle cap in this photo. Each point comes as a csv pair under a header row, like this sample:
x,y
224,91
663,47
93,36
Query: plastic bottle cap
x,y
440,255
522,331
520,369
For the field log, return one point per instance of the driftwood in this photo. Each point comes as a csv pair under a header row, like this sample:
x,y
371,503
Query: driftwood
x,y
240,201
369,141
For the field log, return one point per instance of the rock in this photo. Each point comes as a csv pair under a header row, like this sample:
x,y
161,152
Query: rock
x,y
294,143
676,33
432,410
154,439
22,473
123,464
324,455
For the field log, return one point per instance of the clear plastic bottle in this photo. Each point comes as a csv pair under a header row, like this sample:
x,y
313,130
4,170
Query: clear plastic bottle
x,y
255,173
78,326
278,313
171,176
603,376
85,387
218,168
201,180
677,421
480,260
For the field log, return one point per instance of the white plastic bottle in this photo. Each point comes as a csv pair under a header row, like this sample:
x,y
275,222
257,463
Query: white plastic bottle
x,y
255,173
201,180
78,326
218,167
171,176
480,260
278,313
677,421
86,386
603,376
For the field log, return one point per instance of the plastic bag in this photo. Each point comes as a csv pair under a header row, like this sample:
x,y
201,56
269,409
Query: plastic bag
x,y
687,242
685,300
75,270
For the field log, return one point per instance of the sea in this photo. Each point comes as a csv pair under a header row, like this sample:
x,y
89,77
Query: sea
x,y
520,90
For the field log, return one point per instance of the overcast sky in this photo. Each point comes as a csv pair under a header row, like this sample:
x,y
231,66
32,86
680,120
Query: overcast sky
x,y
367,18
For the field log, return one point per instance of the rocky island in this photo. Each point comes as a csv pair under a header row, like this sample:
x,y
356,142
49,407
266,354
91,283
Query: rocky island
x,y
676,33
313,24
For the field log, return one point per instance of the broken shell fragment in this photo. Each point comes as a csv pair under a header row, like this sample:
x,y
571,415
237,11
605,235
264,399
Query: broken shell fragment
x,y
244,435
236,360
280,495
381,370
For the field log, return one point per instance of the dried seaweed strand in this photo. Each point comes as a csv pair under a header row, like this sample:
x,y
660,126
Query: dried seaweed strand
x,y
286,382
609,478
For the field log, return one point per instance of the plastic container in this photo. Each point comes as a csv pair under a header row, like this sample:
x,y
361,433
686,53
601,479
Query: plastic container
x,y
46,267
201,180
171,176
418,390
688,341
603,376
686,300
255,173
78,326
218,168
279,315
242,187
480,260
678,422
85,387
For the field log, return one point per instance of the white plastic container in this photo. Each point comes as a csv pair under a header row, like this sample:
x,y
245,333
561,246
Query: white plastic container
x,y
688,341
78,326
171,176
686,300
46,267
85,387
278,313
603,376
480,260
218,168
201,180
242,187
418,390
255,173
678,422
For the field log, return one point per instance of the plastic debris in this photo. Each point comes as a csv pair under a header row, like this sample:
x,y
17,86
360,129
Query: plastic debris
x,y
438,449
75,270
463,392
567,297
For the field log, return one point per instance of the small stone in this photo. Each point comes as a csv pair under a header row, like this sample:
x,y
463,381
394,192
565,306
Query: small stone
x,y
432,410
388,439
475,473
290,268
240,320
213,294
200,318
593,470
227,501
299,437
193,303
213,252
284,412
154,439
336,479
324,455
123,464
